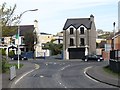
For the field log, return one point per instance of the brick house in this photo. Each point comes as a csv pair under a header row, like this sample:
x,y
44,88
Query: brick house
x,y
117,41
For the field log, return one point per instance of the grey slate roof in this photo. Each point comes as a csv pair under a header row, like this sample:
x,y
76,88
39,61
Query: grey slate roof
x,y
26,28
117,32
77,22
23,29
42,33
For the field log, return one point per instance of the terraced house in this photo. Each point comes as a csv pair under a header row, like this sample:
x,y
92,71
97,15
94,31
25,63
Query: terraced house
x,y
79,37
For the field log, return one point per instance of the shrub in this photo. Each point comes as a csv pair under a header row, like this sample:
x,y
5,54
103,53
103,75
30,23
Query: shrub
x,y
3,51
11,53
5,66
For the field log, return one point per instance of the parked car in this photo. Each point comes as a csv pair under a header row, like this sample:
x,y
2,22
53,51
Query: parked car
x,y
15,57
92,58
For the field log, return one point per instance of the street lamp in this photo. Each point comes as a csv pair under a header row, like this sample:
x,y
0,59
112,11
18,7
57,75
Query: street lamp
x,y
114,36
19,33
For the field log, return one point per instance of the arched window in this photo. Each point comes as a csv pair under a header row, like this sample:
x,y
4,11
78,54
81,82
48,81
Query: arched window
x,y
82,30
71,30
71,42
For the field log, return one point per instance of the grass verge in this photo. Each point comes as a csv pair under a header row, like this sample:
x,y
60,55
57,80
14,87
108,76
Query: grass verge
x,y
0,66
108,70
7,70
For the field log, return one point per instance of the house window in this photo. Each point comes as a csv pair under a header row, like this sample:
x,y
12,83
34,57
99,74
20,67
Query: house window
x,y
82,30
82,41
23,40
13,41
71,42
71,30
2,40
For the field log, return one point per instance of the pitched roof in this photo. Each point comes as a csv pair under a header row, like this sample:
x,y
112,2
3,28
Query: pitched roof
x,y
42,33
23,29
26,28
77,22
117,32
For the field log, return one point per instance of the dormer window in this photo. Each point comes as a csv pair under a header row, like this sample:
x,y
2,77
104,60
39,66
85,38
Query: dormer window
x,y
71,30
82,30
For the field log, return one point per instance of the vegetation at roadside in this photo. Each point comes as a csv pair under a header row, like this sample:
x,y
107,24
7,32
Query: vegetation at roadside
x,y
6,66
109,70
55,48
0,66
8,18
11,53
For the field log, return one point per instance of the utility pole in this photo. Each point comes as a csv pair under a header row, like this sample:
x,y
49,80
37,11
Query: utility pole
x,y
19,33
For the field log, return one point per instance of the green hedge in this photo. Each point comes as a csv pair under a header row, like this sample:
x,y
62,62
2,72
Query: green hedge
x,y
3,51
6,66
11,53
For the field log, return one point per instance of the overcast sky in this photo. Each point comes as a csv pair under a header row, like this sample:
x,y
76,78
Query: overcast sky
x,y
52,14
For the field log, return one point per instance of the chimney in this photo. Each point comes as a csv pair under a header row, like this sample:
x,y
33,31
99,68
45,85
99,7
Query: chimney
x,y
91,17
36,26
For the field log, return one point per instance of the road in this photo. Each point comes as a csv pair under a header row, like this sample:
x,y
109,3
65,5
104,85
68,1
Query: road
x,y
60,74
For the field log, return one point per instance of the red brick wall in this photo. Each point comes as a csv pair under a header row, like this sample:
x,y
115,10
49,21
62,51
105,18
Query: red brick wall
x,y
106,55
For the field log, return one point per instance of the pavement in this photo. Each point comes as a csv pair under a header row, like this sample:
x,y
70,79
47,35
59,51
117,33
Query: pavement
x,y
96,73
6,82
100,75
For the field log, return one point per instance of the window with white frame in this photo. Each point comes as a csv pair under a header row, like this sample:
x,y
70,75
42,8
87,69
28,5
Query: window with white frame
x,y
82,41
82,30
71,30
71,42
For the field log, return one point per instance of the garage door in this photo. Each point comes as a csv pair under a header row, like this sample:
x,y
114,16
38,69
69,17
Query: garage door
x,y
76,53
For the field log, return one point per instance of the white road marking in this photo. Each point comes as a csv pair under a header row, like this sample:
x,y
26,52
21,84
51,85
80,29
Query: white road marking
x,y
85,70
23,76
34,75
46,64
36,67
64,67
61,70
41,76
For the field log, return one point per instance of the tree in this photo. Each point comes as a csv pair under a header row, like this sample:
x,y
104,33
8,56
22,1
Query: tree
x,y
55,48
29,39
8,18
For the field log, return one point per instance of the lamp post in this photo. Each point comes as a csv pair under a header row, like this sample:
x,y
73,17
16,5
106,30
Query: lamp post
x,y
114,36
19,33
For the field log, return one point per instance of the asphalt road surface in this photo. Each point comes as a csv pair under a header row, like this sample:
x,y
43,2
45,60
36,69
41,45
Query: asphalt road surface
x,y
60,74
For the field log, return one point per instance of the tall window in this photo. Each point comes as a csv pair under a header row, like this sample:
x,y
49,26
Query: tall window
x,y
2,40
82,30
71,30
82,41
71,42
